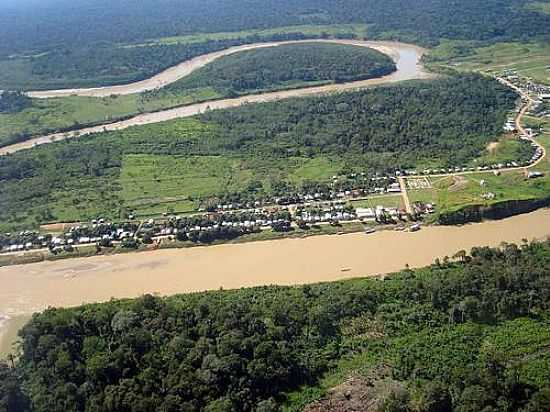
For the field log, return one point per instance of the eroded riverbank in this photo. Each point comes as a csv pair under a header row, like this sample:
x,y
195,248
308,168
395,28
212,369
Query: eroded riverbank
x,y
34,287
406,56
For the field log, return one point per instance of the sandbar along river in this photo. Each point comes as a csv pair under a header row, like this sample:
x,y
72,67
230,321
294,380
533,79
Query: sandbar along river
x,y
30,288
406,56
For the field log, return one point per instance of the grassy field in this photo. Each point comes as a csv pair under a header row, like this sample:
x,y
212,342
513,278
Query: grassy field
x,y
49,115
528,59
453,193
360,30
395,200
155,184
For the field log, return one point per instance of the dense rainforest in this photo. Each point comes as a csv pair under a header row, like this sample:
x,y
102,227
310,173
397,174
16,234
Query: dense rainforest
x,y
286,65
68,43
467,334
447,122
33,25
101,65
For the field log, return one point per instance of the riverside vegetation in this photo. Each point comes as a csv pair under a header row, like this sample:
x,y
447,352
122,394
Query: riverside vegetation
x,y
270,148
469,334
270,69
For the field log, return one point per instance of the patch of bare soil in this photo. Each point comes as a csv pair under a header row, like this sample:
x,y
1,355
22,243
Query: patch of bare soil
x,y
57,227
459,182
492,147
359,394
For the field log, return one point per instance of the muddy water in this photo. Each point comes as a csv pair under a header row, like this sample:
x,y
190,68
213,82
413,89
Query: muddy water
x,y
30,288
185,68
406,56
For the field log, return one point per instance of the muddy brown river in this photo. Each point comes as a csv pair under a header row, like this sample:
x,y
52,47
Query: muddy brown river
x,y
30,288
406,56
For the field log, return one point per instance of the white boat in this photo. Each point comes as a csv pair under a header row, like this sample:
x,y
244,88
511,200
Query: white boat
x,y
414,228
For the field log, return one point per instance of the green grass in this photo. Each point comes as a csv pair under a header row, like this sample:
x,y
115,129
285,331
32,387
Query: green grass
x,y
528,59
360,30
163,177
316,169
385,200
154,184
50,115
451,195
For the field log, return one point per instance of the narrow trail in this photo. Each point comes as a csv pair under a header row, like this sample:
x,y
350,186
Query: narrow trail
x,y
405,195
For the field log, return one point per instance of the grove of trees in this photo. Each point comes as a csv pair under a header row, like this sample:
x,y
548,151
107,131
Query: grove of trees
x,y
13,102
287,65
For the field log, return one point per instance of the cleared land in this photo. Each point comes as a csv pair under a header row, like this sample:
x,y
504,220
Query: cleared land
x,y
528,59
486,188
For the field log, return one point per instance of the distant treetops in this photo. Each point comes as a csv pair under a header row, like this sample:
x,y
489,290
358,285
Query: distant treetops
x,y
13,102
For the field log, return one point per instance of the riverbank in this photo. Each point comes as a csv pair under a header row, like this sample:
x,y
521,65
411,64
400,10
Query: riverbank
x,y
283,262
89,250
9,329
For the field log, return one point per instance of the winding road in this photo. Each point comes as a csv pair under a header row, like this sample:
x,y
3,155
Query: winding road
x,y
406,57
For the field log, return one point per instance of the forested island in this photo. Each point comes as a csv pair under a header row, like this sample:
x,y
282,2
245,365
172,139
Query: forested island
x,y
469,333
254,150
291,65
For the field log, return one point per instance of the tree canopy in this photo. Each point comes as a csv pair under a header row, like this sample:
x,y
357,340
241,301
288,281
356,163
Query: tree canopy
x,y
286,66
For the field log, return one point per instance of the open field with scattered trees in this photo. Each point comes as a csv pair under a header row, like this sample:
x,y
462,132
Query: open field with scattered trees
x,y
252,151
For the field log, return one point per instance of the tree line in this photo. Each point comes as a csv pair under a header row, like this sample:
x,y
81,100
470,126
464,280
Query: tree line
x,y
13,102
91,33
